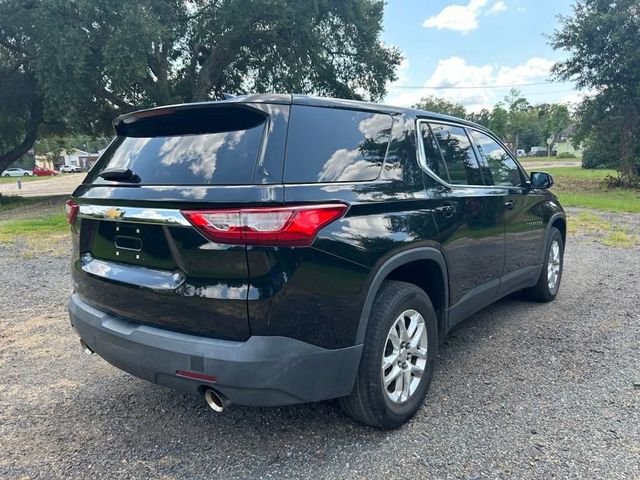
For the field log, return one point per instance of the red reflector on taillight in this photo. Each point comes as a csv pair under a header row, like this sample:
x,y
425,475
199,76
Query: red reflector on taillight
x,y
195,375
71,209
286,226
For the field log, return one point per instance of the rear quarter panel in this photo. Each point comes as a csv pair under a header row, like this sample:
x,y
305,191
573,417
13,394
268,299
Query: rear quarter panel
x,y
317,294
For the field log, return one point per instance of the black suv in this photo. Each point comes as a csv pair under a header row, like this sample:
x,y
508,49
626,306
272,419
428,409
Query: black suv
x,y
278,249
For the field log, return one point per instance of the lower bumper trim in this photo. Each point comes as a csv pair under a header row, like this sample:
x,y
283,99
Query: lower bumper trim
x,y
261,371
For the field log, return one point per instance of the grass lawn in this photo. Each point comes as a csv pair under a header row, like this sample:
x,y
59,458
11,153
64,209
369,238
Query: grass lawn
x,y
37,236
15,202
38,224
579,187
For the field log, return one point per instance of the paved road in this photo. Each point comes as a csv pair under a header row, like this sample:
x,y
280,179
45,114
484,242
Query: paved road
x,y
522,390
60,185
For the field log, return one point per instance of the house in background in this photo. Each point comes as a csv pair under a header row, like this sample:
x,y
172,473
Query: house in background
x,y
77,158
564,145
45,162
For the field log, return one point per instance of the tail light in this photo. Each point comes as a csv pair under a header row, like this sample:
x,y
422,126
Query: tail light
x,y
71,208
286,226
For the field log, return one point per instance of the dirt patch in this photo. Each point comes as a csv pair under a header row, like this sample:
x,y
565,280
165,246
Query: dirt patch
x,y
32,337
605,228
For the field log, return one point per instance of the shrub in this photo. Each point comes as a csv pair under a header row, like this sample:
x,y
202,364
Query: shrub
x,y
566,155
599,155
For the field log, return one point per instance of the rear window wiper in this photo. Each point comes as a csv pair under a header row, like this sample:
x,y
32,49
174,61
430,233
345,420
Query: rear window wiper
x,y
119,174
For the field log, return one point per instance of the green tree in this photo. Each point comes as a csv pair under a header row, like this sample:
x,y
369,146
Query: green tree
x,y
557,119
441,105
499,120
68,67
483,117
518,118
601,38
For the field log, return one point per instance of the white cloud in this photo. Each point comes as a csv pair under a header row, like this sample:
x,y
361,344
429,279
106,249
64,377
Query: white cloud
x,y
343,165
461,18
456,72
574,98
499,6
403,70
535,68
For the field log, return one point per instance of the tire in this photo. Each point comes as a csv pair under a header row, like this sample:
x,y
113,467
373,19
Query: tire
x,y
7,175
544,291
370,402
26,175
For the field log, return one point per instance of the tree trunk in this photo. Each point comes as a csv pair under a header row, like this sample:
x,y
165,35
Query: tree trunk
x,y
627,168
31,132
210,74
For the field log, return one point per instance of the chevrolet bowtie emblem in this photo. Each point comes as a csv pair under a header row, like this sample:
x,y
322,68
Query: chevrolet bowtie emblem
x,y
113,213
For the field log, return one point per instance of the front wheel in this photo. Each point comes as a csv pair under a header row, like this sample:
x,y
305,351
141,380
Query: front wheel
x,y
549,281
398,357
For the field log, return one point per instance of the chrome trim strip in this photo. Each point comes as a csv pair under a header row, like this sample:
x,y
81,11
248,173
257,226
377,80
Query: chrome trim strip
x,y
422,156
131,274
159,216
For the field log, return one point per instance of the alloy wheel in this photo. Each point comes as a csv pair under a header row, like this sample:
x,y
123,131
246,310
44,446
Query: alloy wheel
x,y
553,265
405,356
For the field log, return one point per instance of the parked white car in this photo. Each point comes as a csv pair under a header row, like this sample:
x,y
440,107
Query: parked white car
x,y
70,169
17,172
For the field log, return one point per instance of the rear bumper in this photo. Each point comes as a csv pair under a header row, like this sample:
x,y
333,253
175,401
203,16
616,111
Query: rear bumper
x,y
262,371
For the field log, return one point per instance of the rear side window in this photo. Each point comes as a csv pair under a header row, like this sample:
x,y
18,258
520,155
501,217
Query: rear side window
x,y
226,154
461,163
334,145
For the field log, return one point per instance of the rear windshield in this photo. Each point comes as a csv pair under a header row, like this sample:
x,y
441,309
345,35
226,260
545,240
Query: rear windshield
x,y
334,145
225,155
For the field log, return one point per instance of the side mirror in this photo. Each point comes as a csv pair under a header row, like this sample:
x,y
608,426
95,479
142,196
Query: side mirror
x,y
541,180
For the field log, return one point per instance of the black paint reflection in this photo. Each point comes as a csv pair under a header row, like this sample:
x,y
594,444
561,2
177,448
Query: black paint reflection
x,y
460,161
502,168
334,145
212,158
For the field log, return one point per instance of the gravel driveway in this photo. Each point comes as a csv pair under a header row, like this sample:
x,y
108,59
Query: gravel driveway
x,y
522,390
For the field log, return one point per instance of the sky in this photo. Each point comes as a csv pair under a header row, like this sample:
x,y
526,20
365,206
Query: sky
x,y
475,43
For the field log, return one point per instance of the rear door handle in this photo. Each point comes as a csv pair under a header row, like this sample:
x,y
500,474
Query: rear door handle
x,y
508,205
446,210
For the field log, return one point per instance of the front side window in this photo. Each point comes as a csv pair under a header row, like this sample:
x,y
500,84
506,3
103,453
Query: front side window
x,y
503,168
432,153
459,157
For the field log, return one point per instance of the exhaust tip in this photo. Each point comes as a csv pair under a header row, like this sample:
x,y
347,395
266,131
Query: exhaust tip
x,y
85,348
216,401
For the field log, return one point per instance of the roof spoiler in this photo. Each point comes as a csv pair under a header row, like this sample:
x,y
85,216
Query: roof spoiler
x,y
229,100
190,118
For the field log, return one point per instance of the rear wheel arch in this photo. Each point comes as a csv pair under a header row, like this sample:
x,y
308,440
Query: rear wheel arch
x,y
424,267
